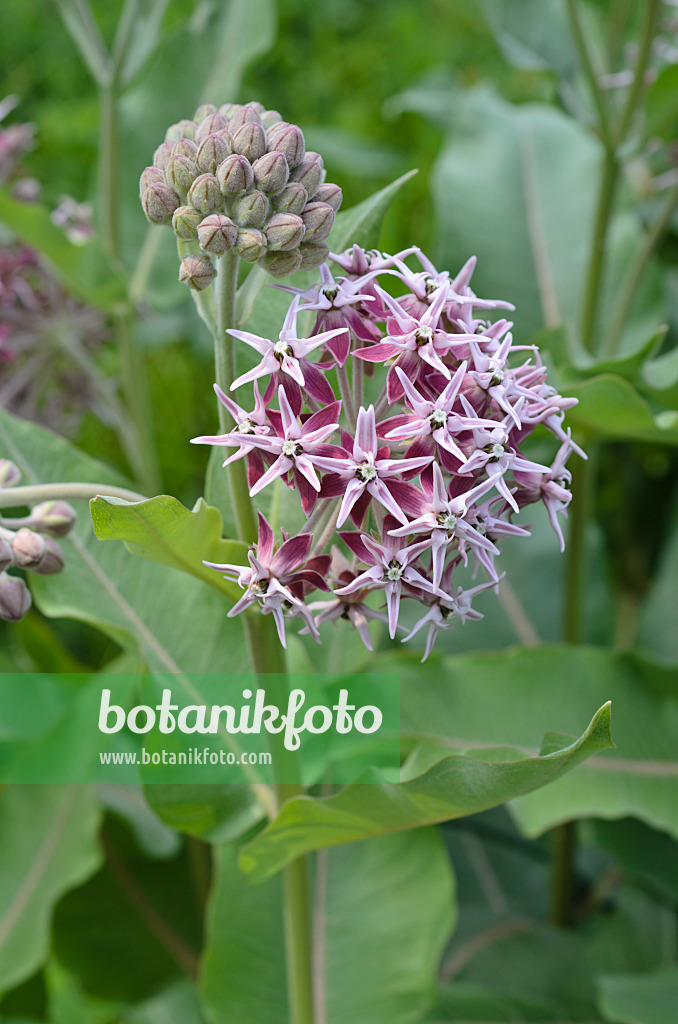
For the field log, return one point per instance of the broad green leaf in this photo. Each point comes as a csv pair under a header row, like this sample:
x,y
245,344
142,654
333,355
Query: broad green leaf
x,y
451,787
638,998
660,377
163,530
362,223
661,104
83,269
247,29
179,1002
533,35
48,843
464,1002
611,407
177,622
481,700
132,928
217,814
645,854
574,363
383,912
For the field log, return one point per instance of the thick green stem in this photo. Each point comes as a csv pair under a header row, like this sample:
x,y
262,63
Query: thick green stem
x,y
587,67
14,497
635,275
598,253
564,840
108,171
651,12
575,570
268,661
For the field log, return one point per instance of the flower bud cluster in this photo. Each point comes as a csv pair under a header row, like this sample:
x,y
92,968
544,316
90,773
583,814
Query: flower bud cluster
x,y
431,472
15,141
239,178
29,543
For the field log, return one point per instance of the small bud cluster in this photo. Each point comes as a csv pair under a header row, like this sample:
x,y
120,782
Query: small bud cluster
x,y
239,178
29,543
459,397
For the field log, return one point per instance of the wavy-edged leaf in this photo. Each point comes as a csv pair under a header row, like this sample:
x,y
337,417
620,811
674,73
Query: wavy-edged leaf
x,y
611,407
163,530
639,998
451,787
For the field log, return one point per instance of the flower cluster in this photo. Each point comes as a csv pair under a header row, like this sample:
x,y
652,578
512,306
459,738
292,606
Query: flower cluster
x,y
430,472
239,178
29,543
15,141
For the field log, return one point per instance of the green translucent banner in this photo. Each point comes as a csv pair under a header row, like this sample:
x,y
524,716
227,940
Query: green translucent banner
x,y
197,728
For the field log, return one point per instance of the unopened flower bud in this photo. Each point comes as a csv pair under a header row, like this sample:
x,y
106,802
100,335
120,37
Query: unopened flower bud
x,y
162,155
270,117
180,173
217,234
10,474
28,548
197,272
290,142
185,221
227,110
330,194
203,111
313,254
149,175
213,151
52,561
284,231
292,199
281,264
187,148
6,558
209,126
271,172
205,194
249,114
251,210
181,130
250,141
15,598
318,219
159,202
274,129
235,175
250,245
309,173
55,518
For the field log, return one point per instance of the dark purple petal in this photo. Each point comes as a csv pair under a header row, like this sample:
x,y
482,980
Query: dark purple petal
x,y
410,499
316,383
265,540
322,418
291,554
377,353
354,542
332,486
307,494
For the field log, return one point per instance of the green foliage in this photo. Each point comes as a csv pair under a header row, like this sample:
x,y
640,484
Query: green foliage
x,y
639,999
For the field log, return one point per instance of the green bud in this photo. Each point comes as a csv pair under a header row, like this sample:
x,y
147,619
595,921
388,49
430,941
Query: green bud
x,y
235,175
15,598
210,125
330,194
217,234
318,219
250,141
159,202
197,272
213,151
52,561
180,130
271,172
251,210
250,244
313,254
205,194
55,518
292,199
245,115
284,231
162,155
180,174
185,221
290,142
270,117
148,176
203,111
227,110
309,173
28,548
187,148
281,264
10,474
